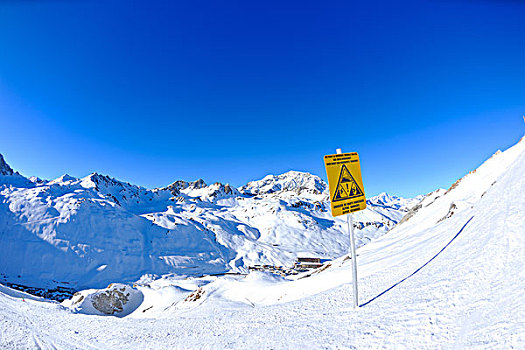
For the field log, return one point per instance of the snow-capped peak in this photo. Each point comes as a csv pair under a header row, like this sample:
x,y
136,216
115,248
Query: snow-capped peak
x,y
297,181
218,190
388,201
10,177
65,179
96,180
5,169
176,187
384,198
37,180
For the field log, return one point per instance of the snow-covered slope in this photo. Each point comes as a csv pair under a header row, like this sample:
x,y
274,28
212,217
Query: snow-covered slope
x,y
68,232
88,232
444,278
483,204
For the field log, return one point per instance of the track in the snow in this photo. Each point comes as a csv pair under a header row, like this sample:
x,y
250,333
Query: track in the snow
x,y
419,269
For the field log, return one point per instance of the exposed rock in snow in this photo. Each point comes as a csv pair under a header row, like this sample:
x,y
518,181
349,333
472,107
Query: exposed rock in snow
x,y
179,185
9,177
218,190
117,299
5,169
424,202
111,301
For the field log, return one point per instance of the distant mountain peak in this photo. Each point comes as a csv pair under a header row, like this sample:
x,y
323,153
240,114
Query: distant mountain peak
x,y
63,179
5,169
180,185
297,181
97,179
36,180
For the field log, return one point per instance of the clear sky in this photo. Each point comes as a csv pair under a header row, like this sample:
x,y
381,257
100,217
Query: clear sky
x,y
150,92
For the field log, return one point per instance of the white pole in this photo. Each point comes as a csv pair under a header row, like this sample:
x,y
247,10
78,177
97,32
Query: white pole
x,y
350,223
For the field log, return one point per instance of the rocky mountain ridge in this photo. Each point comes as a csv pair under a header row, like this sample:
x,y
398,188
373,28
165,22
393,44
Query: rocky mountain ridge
x,y
94,230
5,169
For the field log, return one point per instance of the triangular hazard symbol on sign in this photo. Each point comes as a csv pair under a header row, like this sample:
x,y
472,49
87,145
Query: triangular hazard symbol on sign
x,y
346,188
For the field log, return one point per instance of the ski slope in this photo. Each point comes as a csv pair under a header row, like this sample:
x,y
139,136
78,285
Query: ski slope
x,y
449,276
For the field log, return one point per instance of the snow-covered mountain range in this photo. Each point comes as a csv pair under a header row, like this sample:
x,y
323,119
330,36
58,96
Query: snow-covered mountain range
x,y
449,275
88,232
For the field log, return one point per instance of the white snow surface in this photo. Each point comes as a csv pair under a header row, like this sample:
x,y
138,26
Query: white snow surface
x,y
449,276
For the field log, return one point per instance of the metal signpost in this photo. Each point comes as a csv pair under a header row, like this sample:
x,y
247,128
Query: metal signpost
x,y
346,195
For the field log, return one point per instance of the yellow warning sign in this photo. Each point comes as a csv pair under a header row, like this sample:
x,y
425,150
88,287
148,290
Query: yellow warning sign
x,y
346,185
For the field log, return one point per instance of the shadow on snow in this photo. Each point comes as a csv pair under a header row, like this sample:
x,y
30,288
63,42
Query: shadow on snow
x,y
419,269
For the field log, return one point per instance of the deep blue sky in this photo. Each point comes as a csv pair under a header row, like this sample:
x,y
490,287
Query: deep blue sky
x,y
151,92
